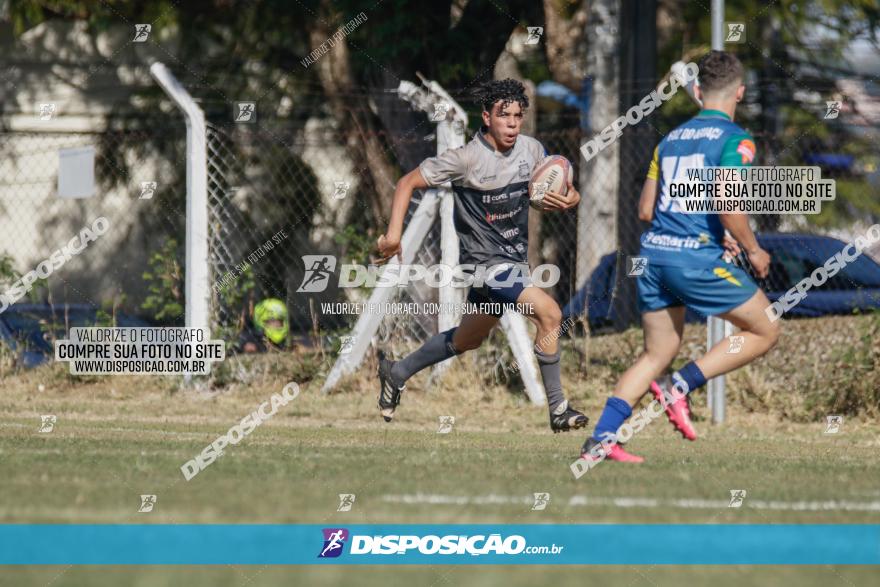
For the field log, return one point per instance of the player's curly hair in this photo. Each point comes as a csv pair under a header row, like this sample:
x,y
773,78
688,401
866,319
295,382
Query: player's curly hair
x,y
507,90
718,71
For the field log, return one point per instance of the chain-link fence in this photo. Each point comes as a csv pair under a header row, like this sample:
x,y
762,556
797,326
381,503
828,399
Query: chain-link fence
x,y
262,199
280,190
139,189
263,183
265,179
300,187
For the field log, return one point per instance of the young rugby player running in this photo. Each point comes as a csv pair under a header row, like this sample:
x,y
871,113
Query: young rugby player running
x,y
489,177
685,266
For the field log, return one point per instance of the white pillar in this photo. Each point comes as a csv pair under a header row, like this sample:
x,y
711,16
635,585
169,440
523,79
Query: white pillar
x,y
196,270
716,328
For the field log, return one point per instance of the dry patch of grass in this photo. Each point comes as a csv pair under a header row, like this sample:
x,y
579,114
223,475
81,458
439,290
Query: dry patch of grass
x,y
820,366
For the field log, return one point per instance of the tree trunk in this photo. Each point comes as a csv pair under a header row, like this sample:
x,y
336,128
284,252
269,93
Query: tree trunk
x,y
565,42
360,129
597,212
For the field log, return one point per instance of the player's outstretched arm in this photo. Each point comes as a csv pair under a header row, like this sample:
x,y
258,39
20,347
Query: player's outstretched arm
x,y
647,200
389,243
738,226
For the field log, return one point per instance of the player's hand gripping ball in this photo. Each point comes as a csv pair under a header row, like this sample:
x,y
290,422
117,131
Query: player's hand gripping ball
x,y
553,174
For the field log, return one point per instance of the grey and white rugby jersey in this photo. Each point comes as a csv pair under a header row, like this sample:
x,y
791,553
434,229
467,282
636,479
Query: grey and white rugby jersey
x,y
491,191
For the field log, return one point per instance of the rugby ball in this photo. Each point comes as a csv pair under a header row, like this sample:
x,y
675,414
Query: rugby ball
x,y
552,174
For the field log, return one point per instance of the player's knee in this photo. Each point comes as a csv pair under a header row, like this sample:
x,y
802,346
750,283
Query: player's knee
x,y
772,336
662,354
550,318
766,338
658,360
467,344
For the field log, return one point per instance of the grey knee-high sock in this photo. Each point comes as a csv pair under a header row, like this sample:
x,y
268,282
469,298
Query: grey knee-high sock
x,y
552,376
438,348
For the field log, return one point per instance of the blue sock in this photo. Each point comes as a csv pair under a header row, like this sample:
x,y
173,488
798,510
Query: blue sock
x,y
692,377
615,413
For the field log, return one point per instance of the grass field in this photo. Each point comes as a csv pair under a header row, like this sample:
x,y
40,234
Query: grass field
x,y
118,438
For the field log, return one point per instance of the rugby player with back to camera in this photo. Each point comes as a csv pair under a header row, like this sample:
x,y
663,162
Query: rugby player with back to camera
x,y
685,266
490,177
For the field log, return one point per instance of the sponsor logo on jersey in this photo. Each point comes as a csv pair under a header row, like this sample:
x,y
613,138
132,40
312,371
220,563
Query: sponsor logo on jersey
x,y
694,134
668,241
490,218
492,198
746,148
